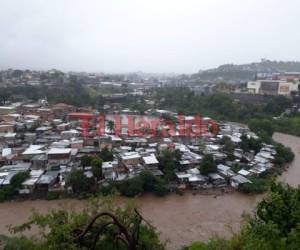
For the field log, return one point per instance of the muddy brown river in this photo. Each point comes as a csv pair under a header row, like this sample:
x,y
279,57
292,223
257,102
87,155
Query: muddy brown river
x,y
179,219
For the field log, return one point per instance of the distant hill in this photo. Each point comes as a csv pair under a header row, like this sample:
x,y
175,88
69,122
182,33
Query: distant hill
x,y
246,72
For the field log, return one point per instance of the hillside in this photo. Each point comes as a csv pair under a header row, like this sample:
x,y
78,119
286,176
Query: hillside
x,y
245,72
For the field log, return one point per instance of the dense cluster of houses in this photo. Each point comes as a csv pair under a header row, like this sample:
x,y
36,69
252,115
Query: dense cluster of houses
x,y
48,143
256,164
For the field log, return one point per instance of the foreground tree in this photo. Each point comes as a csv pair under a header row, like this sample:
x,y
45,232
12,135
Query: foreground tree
x,y
102,226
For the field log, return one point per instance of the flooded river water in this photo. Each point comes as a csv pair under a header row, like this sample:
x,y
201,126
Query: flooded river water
x,y
180,219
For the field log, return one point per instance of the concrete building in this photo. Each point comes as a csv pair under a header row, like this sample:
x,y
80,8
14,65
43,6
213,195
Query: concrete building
x,y
253,87
272,87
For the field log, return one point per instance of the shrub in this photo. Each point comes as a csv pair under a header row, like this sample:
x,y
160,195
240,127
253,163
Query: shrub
x,y
257,186
52,196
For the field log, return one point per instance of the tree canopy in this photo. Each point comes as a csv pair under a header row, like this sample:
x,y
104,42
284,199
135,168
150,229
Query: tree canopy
x,y
102,225
208,165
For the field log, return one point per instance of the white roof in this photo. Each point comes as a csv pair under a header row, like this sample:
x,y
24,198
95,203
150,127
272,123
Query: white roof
x,y
71,131
181,147
8,135
34,150
215,176
109,164
150,159
6,152
55,151
31,181
240,179
36,173
244,172
125,148
194,171
212,147
14,115
7,107
130,155
222,167
115,138
43,128
182,175
32,117
195,178
235,139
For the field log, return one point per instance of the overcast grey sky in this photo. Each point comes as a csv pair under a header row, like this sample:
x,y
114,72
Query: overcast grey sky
x,y
148,35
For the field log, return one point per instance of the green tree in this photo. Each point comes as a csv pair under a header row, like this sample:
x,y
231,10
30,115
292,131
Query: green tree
x,y
262,127
277,105
86,160
80,183
248,144
18,179
7,192
110,126
160,189
102,225
169,163
132,187
283,155
149,181
208,165
97,167
228,145
106,155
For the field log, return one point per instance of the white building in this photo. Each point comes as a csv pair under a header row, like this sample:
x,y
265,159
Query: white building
x,y
271,87
253,87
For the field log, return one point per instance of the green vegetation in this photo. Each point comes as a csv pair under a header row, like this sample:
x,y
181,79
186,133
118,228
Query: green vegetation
x,y
219,106
97,167
145,182
169,163
248,144
102,225
288,125
274,226
236,167
263,128
262,183
245,72
52,196
80,183
258,185
228,145
86,160
110,126
7,192
78,180
284,155
208,165
260,116
106,155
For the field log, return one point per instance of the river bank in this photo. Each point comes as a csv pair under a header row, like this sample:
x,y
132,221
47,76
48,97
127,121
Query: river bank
x,y
292,175
180,219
